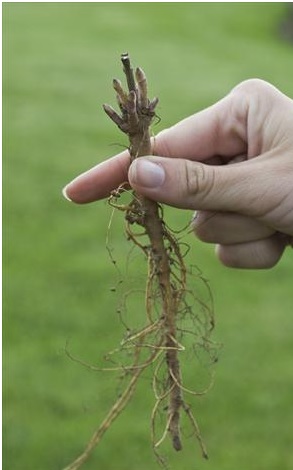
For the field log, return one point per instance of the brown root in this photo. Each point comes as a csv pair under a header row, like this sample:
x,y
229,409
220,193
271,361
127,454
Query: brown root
x,y
160,342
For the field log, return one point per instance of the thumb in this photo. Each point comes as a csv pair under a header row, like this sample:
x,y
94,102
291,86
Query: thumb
x,y
194,185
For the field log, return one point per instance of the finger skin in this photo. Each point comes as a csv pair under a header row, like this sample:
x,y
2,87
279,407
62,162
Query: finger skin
x,y
215,135
98,182
228,228
261,254
233,159
201,137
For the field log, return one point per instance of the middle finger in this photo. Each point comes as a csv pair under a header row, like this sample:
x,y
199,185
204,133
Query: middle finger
x,y
228,228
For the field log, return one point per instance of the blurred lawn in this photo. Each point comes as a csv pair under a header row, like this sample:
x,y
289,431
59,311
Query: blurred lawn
x,y
58,62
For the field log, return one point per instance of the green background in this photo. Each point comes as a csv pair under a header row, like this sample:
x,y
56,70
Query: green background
x,y
58,63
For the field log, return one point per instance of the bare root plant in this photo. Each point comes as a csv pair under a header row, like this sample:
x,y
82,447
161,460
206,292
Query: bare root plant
x,y
170,303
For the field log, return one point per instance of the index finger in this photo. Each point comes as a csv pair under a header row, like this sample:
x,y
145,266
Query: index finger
x,y
99,181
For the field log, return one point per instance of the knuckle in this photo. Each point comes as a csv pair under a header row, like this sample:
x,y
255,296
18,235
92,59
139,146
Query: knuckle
x,y
198,182
252,86
257,90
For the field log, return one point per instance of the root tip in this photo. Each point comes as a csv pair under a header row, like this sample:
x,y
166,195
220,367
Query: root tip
x,y
177,443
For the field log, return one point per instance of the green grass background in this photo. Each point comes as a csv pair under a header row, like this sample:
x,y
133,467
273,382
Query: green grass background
x,y
59,60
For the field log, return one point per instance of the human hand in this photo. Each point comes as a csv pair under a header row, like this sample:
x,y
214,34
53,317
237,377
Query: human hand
x,y
232,162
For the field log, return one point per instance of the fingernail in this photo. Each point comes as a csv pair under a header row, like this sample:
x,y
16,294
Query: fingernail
x,y
64,192
194,217
145,173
